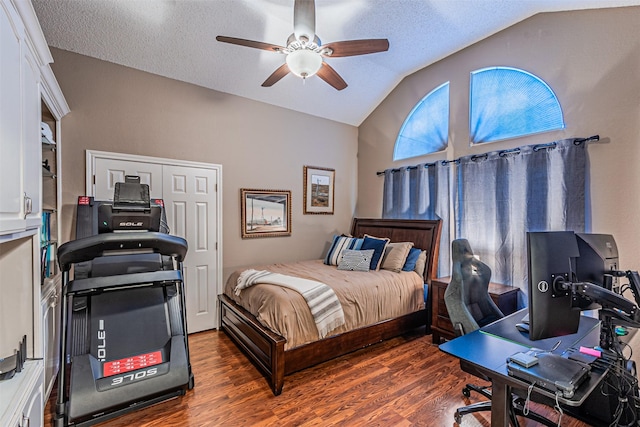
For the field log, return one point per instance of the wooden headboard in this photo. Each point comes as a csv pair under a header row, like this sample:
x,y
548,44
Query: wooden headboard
x,y
425,234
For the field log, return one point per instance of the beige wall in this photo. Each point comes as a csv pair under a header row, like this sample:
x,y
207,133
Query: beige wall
x,y
118,109
591,59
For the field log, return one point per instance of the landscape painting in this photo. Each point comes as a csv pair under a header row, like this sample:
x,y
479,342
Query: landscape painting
x,y
318,190
265,213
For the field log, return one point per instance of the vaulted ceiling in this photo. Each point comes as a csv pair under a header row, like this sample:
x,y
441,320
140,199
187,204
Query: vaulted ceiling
x,y
177,39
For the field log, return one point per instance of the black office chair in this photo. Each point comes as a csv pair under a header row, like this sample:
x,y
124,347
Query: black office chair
x,y
470,307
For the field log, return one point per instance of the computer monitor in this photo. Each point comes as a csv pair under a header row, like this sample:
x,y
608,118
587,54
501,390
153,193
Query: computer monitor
x,y
598,259
597,264
551,260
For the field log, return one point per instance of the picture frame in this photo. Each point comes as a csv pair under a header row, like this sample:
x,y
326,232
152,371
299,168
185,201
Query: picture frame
x,y
319,190
265,213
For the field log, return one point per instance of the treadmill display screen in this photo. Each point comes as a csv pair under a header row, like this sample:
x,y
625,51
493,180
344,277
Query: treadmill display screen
x,y
133,363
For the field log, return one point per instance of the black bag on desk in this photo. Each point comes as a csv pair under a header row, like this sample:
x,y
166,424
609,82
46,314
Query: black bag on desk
x,y
552,372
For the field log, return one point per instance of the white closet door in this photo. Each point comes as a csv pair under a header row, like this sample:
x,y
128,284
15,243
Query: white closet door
x,y
190,201
110,171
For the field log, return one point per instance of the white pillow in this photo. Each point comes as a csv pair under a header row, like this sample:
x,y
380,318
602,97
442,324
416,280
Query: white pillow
x,y
353,260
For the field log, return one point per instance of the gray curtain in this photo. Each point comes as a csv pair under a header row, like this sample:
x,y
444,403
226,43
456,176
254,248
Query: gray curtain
x,y
421,192
499,196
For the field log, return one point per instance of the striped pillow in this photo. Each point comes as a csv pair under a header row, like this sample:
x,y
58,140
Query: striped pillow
x,y
355,260
339,244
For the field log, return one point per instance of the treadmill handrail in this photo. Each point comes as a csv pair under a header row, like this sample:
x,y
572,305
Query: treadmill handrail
x,y
91,247
96,284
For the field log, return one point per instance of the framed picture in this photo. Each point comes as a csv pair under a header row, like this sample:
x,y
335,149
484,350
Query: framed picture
x,y
318,190
265,213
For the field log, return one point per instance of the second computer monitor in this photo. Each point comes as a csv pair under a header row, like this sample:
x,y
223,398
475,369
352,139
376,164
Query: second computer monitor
x,y
598,256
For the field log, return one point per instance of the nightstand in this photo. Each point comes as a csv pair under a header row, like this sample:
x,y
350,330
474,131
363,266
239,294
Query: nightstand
x,y
505,297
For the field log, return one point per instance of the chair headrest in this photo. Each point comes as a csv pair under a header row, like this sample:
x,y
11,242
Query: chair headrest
x,y
460,249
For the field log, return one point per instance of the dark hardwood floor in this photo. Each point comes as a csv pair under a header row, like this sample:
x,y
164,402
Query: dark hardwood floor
x,y
406,381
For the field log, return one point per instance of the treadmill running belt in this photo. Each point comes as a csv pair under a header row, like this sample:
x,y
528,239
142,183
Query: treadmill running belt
x,y
128,323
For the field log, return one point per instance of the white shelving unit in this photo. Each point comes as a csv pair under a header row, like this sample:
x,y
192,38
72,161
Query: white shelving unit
x,y
50,232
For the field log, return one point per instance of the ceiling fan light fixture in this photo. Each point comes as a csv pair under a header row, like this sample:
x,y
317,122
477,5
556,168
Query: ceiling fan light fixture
x,y
304,62
305,52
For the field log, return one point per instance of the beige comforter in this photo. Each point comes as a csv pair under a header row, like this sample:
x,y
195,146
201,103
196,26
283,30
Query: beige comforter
x,y
366,298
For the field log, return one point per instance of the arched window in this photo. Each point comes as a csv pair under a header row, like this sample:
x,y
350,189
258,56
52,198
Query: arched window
x,y
426,128
508,103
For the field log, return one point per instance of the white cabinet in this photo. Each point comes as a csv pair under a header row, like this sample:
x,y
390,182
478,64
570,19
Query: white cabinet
x,y
50,306
20,408
33,409
28,305
11,193
31,145
20,154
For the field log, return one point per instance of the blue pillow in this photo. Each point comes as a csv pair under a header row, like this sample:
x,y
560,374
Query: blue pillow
x,y
412,258
338,245
378,245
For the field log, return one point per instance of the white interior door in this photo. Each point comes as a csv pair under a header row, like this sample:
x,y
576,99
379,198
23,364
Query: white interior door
x,y
192,207
189,198
109,171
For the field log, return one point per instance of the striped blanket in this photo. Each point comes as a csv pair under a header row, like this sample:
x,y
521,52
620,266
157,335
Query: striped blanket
x,y
322,300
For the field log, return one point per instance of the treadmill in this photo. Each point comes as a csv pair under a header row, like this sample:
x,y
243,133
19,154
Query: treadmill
x,y
124,332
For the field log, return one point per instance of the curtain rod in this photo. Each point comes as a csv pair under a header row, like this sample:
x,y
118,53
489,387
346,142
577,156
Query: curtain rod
x,y
501,153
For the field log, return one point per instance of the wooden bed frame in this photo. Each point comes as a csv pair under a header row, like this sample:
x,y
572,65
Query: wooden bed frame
x,y
266,348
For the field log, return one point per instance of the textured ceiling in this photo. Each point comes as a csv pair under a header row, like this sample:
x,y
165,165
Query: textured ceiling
x,y
176,39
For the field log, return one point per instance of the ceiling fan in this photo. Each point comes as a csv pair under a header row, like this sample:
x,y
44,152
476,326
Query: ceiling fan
x,y
304,51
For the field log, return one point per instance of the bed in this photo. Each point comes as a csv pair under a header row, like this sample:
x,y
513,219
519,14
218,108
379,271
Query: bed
x,y
272,353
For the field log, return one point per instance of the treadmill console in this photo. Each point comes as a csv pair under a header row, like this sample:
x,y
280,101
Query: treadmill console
x,y
132,209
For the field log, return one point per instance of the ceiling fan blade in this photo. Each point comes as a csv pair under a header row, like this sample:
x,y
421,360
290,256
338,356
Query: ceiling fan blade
x,y
356,47
330,76
250,43
304,19
282,71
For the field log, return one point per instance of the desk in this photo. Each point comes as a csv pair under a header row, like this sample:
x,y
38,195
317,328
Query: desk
x,y
487,354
